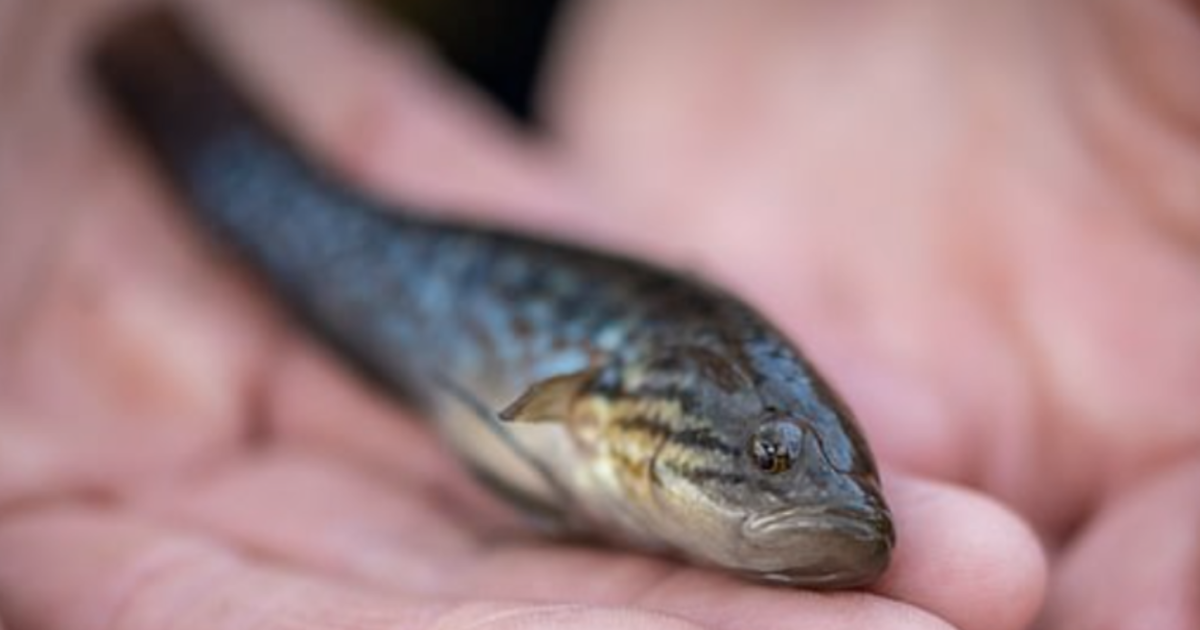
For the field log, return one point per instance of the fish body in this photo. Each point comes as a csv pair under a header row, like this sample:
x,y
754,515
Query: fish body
x,y
608,395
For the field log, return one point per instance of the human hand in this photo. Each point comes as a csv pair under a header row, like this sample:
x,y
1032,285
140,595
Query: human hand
x,y
984,220
172,453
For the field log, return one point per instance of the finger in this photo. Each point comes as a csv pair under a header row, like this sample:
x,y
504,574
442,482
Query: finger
x,y
76,568
385,113
1137,564
963,555
960,556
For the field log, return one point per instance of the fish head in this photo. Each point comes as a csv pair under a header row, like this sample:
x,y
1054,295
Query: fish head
x,y
771,477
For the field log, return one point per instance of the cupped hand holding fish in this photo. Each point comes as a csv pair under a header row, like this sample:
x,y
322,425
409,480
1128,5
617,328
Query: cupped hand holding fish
x,y
169,455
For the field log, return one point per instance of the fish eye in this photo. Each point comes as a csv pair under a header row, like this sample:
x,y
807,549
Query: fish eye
x,y
775,446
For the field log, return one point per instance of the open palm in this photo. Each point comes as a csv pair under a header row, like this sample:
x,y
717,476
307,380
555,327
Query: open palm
x,y
173,453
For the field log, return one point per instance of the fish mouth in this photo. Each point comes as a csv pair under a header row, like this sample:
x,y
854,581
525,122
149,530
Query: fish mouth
x,y
840,547
848,521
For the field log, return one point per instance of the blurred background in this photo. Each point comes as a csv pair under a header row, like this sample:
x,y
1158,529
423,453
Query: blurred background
x,y
497,46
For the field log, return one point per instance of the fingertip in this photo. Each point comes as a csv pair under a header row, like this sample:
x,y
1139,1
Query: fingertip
x,y
964,556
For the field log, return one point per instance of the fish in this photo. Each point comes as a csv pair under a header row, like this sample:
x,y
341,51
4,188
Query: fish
x,y
602,395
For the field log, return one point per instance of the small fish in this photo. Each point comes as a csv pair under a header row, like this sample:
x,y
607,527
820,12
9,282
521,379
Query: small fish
x,y
608,396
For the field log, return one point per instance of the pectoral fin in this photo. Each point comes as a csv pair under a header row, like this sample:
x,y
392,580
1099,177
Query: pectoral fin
x,y
548,400
553,512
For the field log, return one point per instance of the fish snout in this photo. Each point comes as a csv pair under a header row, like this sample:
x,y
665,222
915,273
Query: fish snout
x,y
830,547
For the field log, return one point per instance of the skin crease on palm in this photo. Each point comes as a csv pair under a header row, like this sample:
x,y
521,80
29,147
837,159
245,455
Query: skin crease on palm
x,y
983,222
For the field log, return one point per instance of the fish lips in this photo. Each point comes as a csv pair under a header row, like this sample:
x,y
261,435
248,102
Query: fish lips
x,y
831,547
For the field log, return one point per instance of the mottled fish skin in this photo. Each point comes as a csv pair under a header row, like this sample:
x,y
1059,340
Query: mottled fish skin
x,y
615,397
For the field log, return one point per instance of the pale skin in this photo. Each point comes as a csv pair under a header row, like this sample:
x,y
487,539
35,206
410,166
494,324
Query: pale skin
x,y
984,223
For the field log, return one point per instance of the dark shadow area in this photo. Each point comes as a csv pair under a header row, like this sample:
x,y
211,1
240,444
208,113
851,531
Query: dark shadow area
x,y
498,46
